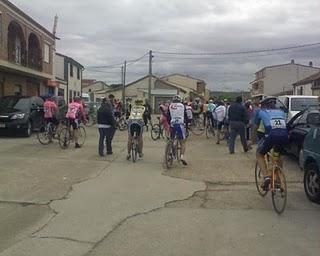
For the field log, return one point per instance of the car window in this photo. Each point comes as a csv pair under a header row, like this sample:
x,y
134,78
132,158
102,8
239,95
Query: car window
x,y
22,104
39,101
299,104
313,118
302,120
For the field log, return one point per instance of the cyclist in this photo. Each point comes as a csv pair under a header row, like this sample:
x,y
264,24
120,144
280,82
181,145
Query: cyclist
x,y
178,120
196,108
164,117
135,125
50,110
220,113
75,114
276,135
211,108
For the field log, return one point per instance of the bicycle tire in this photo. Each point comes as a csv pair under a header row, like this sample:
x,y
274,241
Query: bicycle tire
x,y
82,136
177,150
122,124
168,157
64,138
279,192
134,150
155,132
259,178
195,128
43,135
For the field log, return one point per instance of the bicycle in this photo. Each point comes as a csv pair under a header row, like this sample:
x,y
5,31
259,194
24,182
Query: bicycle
x,y
209,128
121,123
172,151
196,125
92,120
66,135
157,131
278,186
47,133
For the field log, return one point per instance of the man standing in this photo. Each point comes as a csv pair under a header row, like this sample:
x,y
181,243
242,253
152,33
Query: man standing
x,y
106,125
147,113
237,118
220,114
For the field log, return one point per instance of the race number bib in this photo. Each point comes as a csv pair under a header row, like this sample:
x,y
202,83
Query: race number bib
x,y
278,124
177,120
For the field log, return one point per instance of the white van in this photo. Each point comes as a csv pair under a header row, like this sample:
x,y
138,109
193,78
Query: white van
x,y
297,103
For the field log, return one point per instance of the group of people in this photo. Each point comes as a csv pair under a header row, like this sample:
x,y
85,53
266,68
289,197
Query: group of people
x,y
75,115
261,122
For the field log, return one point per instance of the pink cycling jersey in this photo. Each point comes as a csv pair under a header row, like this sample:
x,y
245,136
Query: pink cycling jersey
x,y
75,110
50,108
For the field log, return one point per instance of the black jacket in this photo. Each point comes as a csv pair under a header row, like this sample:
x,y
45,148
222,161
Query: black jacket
x,y
105,115
237,112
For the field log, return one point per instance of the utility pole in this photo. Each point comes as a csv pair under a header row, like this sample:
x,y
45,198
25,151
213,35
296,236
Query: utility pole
x,y
150,78
123,72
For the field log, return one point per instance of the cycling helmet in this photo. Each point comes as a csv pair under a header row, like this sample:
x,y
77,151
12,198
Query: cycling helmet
x,y
210,101
268,102
138,102
176,98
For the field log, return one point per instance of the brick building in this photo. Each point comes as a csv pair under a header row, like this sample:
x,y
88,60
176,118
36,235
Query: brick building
x,y
26,54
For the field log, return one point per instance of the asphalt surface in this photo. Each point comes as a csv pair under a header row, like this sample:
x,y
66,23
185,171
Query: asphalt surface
x,y
73,202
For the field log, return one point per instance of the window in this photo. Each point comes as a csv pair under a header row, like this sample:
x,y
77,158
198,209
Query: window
x,y
46,53
78,73
17,90
71,70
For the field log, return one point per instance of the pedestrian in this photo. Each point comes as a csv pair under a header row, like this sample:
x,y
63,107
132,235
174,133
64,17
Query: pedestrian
x,y
147,113
237,118
249,110
106,126
220,115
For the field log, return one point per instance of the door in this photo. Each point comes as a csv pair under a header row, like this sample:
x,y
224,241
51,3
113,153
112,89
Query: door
x,y
36,112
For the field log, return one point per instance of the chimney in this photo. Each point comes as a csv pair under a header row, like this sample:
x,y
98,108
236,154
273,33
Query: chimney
x,y
54,30
292,61
310,64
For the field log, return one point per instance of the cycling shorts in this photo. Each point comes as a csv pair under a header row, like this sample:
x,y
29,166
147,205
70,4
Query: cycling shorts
x,y
179,130
135,127
52,120
75,123
267,143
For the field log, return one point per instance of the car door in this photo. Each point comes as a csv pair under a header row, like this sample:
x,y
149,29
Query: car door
x,y
37,112
298,134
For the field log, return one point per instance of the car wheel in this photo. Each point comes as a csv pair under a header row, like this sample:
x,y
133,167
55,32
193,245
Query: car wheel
x,y
311,183
28,131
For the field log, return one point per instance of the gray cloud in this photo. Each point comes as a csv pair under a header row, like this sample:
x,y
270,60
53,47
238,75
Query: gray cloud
x,y
104,32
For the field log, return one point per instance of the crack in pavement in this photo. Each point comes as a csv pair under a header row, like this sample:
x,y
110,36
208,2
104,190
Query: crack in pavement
x,y
64,239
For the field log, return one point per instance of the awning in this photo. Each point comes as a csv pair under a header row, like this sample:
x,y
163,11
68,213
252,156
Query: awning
x,y
52,83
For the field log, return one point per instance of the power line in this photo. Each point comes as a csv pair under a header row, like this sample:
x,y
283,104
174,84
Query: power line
x,y
118,65
237,52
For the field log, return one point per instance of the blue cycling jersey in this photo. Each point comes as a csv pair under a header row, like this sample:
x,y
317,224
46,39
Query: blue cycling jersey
x,y
273,121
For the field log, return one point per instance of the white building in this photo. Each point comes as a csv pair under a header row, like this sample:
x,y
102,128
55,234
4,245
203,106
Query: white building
x,y
68,75
308,86
278,79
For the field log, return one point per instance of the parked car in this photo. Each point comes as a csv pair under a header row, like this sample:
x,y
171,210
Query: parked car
x,y
21,114
311,164
297,103
298,127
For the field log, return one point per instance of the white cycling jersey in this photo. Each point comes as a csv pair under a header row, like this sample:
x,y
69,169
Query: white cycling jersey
x,y
177,111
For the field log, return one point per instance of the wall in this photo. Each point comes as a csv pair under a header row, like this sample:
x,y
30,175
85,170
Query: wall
x,y
306,89
94,87
279,79
74,83
9,15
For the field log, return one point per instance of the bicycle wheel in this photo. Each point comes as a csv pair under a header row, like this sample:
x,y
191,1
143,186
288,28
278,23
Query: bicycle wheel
x,y
43,135
64,138
279,193
259,180
82,135
155,132
168,157
134,150
177,150
122,124
195,127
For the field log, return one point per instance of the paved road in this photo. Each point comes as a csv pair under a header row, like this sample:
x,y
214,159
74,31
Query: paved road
x,y
72,202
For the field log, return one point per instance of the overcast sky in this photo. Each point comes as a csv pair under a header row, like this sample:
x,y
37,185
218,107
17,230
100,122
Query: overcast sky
x,y
106,32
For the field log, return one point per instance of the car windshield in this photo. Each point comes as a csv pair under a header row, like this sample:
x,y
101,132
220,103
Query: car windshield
x,y
299,104
14,103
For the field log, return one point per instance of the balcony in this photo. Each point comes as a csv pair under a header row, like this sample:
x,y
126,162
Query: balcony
x,y
19,53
